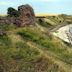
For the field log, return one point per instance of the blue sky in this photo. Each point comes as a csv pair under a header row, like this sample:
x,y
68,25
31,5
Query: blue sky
x,y
40,6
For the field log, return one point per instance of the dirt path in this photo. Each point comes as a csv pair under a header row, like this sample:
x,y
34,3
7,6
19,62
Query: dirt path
x,y
59,26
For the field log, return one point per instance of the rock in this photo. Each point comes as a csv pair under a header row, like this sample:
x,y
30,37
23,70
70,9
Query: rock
x,y
2,32
4,20
17,22
27,16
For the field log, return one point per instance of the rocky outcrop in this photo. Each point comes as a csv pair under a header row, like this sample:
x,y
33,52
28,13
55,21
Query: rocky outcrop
x,y
27,15
4,20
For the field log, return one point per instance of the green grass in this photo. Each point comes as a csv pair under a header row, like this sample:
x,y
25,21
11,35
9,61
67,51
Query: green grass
x,y
5,41
33,50
47,43
7,27
22,57
43,23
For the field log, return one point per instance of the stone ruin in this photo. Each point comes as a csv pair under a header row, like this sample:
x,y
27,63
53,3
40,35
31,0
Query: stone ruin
x,y
26,17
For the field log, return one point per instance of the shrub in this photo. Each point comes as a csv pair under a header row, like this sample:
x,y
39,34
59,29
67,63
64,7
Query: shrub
x,y
12,12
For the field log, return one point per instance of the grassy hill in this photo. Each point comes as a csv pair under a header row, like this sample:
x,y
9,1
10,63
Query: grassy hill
x,y
55,19
34,48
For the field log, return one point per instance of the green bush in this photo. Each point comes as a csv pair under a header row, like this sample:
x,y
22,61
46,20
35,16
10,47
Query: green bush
x,y
12,12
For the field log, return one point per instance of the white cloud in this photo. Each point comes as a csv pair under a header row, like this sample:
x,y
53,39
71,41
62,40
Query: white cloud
x,y
3,3
48,0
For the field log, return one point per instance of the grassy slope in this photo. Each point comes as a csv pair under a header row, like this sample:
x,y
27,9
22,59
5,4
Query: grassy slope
x,y
33,49
54,20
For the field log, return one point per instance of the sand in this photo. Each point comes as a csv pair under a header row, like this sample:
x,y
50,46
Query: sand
x,y
62,33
